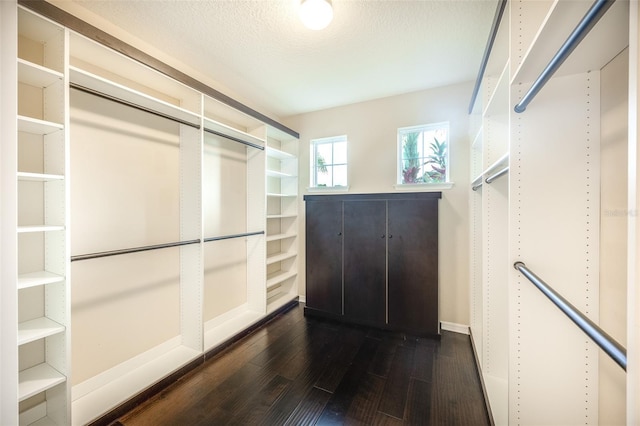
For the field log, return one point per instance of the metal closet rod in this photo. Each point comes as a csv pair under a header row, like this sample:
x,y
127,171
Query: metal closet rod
x,y
228,237
130,104
608,344
497,175
589,20
252,145
131,250
476,187
487,51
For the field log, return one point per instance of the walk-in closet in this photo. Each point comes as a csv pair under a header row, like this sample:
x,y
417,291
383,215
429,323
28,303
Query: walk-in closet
x,y
149,222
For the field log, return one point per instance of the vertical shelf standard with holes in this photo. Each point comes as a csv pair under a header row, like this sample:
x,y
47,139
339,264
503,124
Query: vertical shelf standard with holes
x,y
282,219
42,282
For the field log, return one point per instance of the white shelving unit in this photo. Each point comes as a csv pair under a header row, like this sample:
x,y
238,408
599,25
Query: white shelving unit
x,y
42,283
86,80
231,258
489,216
282,218
549,221
38,127
233,177
97,70
39,278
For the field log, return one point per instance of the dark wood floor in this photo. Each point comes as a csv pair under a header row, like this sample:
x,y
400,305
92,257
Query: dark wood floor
x,y
304,371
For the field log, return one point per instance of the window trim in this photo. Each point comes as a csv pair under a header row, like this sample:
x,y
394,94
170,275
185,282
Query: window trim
x,y
312,163
447,184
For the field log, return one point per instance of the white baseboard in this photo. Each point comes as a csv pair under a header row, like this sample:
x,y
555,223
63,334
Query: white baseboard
x,y
302,299
456,328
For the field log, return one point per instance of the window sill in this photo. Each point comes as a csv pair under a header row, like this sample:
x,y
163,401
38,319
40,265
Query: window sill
x,y
328,189
425,187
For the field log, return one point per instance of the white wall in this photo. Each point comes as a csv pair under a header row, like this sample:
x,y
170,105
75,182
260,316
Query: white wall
x,y
371,128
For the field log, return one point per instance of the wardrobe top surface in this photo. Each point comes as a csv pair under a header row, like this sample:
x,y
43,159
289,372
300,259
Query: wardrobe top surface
x,y
375,196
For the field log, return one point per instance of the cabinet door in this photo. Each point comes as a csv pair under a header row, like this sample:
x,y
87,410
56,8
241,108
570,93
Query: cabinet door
x,y
324,256
365,261
413,265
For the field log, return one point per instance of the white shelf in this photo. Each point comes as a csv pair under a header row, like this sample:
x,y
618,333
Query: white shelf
x,y
118,91
36,329
37,75
273,194
38,177
608,38
217,127
280,257
280,155
277,237
37,126
278,300
499,164
34,279
39,228
229,324
38,379
45,421
93,57
223,113
278,277
281,216
277,174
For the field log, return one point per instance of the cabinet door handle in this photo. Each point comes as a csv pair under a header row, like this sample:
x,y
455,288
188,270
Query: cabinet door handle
x,y
390,236
382,236
339,234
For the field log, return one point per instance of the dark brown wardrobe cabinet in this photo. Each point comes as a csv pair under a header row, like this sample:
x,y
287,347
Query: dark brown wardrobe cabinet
x,y
372,259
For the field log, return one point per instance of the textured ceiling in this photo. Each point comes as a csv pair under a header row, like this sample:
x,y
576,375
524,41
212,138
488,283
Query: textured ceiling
x,y
261,51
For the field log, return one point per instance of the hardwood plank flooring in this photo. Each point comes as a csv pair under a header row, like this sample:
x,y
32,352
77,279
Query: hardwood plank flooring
x,y
307,371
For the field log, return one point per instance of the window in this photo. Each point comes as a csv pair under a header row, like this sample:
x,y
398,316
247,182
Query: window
x,y
423,154
329,162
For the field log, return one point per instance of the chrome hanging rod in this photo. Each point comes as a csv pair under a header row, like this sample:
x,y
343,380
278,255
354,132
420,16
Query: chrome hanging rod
x,y
487,51
252,145
131,250
130,104
477,186
228,237
497,175
589,20
616,351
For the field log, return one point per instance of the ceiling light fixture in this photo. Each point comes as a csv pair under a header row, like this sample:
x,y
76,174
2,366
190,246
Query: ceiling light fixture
x,y
316,14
